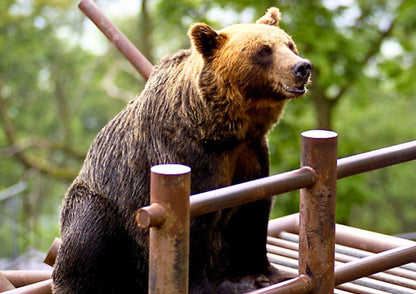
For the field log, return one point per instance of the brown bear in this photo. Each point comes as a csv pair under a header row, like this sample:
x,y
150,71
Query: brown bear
x,y
211,108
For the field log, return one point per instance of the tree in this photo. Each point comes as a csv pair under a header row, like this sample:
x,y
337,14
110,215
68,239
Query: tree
x,y
48,86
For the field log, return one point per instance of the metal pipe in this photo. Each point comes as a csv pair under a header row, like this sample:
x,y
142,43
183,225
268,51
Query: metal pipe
x,y
151,216
170,186
404,275
288,223
345,235
53,252
376,159
5,284
367,240
223,198
282,252
375,263
44,287
117,38
317,210
298,285
20,278
250,191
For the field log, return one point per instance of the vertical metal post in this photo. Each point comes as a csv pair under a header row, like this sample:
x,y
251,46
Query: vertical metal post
x,y
317,210
170,187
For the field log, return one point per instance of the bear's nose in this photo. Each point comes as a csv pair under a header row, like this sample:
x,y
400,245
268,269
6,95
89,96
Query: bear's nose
x,y
302,69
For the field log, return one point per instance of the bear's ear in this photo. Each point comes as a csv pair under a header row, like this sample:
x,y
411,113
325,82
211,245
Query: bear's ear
x,y
205,40
271,18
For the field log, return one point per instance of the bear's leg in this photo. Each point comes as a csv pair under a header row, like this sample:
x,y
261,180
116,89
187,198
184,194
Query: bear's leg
x,y
246,235
96,255
242,285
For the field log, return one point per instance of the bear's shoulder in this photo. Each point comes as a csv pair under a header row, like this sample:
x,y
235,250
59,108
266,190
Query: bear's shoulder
x,y
173,59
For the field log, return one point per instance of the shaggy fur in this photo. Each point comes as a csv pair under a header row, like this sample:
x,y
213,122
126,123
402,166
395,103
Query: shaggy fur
x,y
209,107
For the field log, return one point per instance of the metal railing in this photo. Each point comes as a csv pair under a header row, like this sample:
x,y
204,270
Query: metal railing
x,y
316,180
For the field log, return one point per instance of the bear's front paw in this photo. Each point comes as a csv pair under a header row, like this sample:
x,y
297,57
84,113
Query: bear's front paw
x,y
242,285
262,281
276,276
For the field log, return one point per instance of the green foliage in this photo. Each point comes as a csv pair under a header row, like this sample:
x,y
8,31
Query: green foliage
x,y
52,107
55,95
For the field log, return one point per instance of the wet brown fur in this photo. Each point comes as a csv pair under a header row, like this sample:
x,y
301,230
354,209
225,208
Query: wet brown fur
x,y
211,108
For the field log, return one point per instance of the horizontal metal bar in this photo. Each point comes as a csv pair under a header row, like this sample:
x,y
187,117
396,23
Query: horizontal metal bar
x,y
20,278
299,285
5,284
262,188
288,223
407,271
358,289
280,255
371,283
337,291
368,240
250,191
376,159
375,263
43,287
345,235
392,280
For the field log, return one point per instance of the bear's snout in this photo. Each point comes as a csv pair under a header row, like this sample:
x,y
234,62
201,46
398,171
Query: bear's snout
x,y
302,69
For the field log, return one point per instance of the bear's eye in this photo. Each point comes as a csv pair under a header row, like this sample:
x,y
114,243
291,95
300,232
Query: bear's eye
x,y
263,56
265,51
292,47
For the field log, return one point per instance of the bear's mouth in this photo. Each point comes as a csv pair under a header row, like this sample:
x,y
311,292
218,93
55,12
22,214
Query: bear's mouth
x,y
298,90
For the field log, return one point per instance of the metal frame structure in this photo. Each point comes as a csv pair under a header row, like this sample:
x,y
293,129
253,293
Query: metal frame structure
x,y
316,248
283,246
318,269
316,180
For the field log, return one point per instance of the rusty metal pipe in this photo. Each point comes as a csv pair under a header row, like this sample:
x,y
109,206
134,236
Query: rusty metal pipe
x,y
375,263
20,278
298,285
345,235
53,252
317,210
250,191
288,223
376,159
367,240
151,216
44,287
5,283
117,38
170,186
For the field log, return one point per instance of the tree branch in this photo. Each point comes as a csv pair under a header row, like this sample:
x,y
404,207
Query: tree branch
x,y
41,143
28,161
325,104
374,50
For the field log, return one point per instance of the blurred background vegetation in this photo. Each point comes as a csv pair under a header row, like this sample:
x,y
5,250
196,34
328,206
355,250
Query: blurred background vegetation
x,y
61,81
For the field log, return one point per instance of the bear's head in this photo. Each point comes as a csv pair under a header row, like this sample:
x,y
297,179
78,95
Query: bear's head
x,y
250,62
